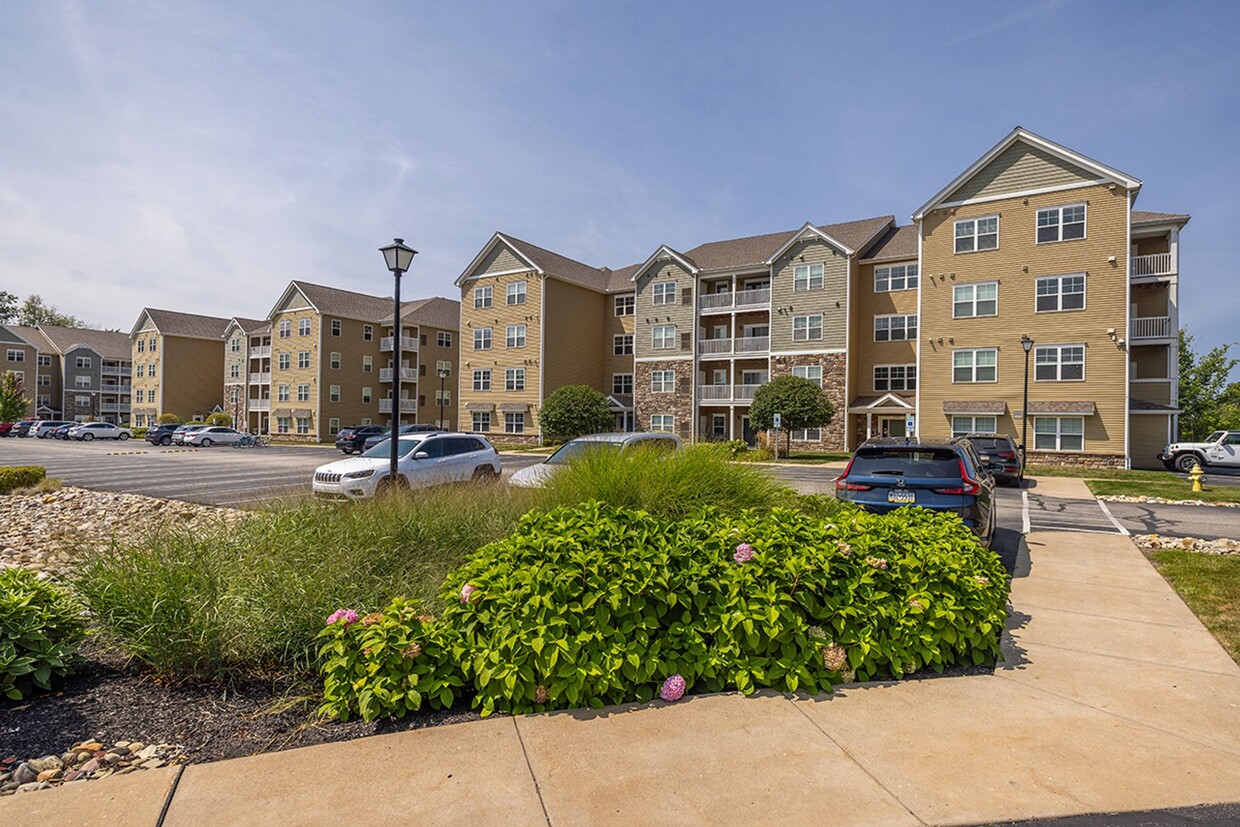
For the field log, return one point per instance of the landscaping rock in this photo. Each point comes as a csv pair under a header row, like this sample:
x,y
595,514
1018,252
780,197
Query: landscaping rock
x,y
25,773
83,764
1125,498
1197,545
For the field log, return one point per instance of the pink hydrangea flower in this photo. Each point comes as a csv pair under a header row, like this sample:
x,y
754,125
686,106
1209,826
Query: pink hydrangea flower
x,y
673,689
843,548
467,592
744,553
541,695
347,615
834,658
876,563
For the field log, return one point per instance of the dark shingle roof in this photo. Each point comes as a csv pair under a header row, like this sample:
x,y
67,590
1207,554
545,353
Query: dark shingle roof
x,y
896,243
175,323
618,281
1082,408
442,313
1145,217
332,301
754,250
32,335
1142,405
985,407
253,325
107,343
566,268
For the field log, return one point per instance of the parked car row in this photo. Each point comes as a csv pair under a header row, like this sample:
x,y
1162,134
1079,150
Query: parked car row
x,y
61,429
358,438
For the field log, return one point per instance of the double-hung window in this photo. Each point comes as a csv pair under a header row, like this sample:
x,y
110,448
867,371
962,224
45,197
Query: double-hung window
x,y
622,344
515,336
662,381
895,328
337,327
234,344
482,338
1057,293
443,338
807,328
516,292
286,329
662,422
482,379
303,327
807,277
1058,433
895,277
975,365
282,393
1059,363
972,300
976,234
482,297
333,393
514,423
663,292
368,332
622,383
962,425
811,372
303,359
303,393
283,360
482,422
334,360
625,305
83,362
663,337
895,378
1061,223
514,379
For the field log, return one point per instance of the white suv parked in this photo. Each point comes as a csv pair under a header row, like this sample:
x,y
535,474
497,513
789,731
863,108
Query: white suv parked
x,y
1221,449
424,460
97,430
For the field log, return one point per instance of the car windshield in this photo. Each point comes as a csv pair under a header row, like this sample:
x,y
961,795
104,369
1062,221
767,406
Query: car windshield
x,y
578,447
384,448
923,463
1216,436
986,444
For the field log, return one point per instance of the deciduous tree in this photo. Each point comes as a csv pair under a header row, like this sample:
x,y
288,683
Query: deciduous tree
x,y
13,400
799,402
1205,396
573,410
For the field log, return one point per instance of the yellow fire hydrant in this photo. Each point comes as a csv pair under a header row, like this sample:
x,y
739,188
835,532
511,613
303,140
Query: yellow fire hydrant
x,y
1198,477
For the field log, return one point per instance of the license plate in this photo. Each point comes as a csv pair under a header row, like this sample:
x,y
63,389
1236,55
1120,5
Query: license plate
x,y
901,496
985,458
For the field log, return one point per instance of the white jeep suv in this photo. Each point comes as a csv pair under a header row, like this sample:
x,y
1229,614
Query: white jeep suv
x,y
1220,449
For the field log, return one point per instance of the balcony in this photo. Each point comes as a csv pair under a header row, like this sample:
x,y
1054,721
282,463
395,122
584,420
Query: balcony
x,y
725,393
406,406
116,388
115,370
406,374
717,302
262,378
407,345
1149,327
1156,264
113,407
258,404
744,346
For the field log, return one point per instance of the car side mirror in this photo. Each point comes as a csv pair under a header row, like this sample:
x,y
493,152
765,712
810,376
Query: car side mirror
x,y
421,455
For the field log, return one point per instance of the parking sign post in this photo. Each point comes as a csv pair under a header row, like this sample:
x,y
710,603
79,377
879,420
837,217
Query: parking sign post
x,y
778,424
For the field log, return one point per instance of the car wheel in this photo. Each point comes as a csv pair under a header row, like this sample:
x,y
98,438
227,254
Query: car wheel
x,y
206,443
386,486
485,474
165,440
346,450
1184,462
124,436
88,437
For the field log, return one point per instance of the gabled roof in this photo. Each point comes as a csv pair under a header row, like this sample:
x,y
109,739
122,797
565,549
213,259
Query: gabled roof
x,y
249,326
1146,217
886,400
107,343
808,230
754,251
33,336
896,244
621,281
664,253
544,262
332,301
190,325
1103,171
439,312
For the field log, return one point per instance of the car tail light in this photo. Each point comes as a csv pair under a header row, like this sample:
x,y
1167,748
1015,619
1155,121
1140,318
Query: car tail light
x,y
1007,455
969,486
842,483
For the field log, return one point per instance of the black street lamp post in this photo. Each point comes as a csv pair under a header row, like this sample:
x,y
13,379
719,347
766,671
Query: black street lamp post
x,y
398,258
443,374
1027,344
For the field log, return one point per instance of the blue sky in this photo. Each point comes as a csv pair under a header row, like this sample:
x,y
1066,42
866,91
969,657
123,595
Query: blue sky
x,y
198,156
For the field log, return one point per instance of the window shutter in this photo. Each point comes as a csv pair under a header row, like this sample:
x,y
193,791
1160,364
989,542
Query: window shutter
x,y
684,341
423,338
421,400
682,429
684,384
421,370
686,295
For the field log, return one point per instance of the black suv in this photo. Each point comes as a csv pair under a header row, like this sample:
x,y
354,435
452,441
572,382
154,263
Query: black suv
x,y
161,434
1000,455
352,438
375,439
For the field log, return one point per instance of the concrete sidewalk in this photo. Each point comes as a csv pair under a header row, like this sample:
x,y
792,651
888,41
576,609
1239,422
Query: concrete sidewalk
x,y
1112,696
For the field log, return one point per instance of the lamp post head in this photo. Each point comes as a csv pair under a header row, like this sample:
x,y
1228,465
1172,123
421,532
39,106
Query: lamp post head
x,y
443,373
398,256
1026,343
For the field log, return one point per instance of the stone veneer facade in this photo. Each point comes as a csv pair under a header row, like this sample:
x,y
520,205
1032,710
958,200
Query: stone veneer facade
x,y
1075,460
834,385
678,403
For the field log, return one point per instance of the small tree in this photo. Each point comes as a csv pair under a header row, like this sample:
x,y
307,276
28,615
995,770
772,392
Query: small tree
x,y
799,402
1203,387
168,419
222,420
573,410
13,400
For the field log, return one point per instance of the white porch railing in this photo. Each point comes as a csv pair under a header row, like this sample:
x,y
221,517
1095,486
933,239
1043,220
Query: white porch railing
x,y
753,344
407,345
753,298
113,407
260,378
1149,327
406,374
714,392
744,393
115,370
1156,264
260,352
715,301
258,404
406,405
714,346
105,388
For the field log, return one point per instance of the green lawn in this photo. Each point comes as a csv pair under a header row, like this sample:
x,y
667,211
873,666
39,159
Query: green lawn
x,y
1178,490
1210,585
1101,473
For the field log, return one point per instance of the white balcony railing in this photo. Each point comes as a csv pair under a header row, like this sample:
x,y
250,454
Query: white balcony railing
x,y
747,345
1156,264
115,370
407,345
260,352
744,393
113,407
741,298
714,346
1149,327
263,378
105,388
406,405
406,374
258,404
752,298
726,393
753,344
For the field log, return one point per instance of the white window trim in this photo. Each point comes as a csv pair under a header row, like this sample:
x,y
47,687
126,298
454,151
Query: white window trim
x,y
654,339
1061,208
658,290
510,293
618,342
482,376
514,336
807,337
626,303
1059,278
662,385
805,369
975,220
974,380
615,376
975,285
1059,435
517,378
906,265
973,429
669,429
808,267
1059,361
482,342
484,294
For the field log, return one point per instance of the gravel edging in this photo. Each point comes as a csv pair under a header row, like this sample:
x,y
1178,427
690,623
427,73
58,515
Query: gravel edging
x,y
1156,542
1125,498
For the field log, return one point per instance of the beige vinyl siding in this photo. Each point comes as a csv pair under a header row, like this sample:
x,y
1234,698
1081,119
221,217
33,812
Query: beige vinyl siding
x,y
193,376
294,375
1148,435
831,301
574,352
501,259
429,354
1020,168
613,326
866,352
1152,300
1016,265
499,358
679,313
350,410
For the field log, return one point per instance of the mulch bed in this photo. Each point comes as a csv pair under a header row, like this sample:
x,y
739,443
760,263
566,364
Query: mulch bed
x,y
109,701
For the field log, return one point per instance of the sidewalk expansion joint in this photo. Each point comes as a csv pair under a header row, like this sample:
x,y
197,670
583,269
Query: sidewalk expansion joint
x,y
1159,588
1096,654
1027,605
855,761
530,767
172,790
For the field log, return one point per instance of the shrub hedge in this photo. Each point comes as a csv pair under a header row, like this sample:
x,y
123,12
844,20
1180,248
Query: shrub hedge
x,y
40,629
23,476
591,605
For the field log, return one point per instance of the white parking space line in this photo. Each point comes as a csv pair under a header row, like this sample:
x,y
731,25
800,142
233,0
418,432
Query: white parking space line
x,y
1024,511
1111,517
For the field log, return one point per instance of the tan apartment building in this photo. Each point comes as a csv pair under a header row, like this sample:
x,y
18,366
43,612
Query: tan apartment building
x,y
915,327
247,373
24,350
178,365
328,356
74,373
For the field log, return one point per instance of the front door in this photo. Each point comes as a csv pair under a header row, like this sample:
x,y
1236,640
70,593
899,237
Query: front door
x,y
892,426
748,433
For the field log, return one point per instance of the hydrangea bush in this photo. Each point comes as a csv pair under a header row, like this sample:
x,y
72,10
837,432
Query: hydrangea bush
x,y
592,605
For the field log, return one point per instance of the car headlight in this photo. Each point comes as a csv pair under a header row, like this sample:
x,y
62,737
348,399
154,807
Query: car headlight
x,y
357,475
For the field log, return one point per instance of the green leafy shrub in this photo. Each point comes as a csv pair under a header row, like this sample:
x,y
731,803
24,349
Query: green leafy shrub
x,y
736,447
222,420
594,605
139,433
669,485
22,476
386,663
574,410
168,419
40,629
